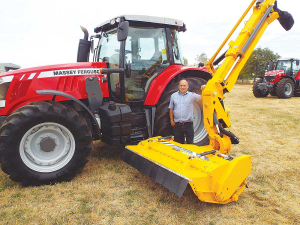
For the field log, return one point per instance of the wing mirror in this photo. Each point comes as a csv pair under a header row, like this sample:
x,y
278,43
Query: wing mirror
x,y
123,30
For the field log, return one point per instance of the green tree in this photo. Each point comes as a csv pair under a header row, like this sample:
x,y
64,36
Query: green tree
x,y
185,61
202,58
256,64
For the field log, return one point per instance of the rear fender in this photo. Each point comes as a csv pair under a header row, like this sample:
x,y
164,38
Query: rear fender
x,y
289,77
298,75
159,84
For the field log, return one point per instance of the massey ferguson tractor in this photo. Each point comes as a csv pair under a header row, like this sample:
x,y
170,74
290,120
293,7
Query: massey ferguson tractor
x,y
50,115
282,79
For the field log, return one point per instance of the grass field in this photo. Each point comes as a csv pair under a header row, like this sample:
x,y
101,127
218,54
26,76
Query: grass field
x,y
108,191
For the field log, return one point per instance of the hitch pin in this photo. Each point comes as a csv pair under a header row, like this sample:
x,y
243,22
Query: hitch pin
x,y
227,157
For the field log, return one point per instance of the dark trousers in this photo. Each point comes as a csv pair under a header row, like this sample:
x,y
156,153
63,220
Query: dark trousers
x,y
184,130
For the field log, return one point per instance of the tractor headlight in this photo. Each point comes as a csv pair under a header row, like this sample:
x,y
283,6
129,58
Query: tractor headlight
x,y
113,21
6,79
4,85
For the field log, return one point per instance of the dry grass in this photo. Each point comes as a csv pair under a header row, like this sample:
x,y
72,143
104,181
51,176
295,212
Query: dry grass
x,y
110,192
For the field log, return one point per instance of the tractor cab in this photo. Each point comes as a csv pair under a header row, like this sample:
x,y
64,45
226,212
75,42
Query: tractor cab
x,y
283,67
291,67
148,47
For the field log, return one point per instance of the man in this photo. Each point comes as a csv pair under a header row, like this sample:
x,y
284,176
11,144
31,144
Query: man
x,y
181,112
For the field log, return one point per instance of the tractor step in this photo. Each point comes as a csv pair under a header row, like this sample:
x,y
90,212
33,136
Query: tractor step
x,y
214,177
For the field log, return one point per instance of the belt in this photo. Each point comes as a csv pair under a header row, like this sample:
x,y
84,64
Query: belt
x,y
183,123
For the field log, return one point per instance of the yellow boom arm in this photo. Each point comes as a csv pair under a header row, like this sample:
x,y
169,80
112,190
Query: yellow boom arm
x,y
225,77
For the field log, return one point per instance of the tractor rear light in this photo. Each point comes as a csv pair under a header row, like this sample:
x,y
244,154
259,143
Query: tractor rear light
x,y
4,84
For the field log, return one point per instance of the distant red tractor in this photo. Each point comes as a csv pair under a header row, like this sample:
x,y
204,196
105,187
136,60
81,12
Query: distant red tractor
x,y
282,79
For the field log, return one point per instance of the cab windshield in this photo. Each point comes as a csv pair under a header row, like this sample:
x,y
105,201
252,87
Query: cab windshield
x,y
284,65
145,51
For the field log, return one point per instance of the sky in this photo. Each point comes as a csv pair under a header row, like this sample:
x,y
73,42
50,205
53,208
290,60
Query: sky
x,y
38,32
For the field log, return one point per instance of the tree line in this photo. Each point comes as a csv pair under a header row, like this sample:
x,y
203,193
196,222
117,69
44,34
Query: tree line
x,y
254,67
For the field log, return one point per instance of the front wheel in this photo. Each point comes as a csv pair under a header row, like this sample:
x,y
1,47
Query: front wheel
x,y
44,142
162,124
273,91
257,92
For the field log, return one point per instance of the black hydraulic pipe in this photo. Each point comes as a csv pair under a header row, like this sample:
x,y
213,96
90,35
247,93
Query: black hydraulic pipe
x,y
218,60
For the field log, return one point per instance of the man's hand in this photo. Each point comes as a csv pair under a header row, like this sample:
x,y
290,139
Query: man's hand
x,y
172,118
172,123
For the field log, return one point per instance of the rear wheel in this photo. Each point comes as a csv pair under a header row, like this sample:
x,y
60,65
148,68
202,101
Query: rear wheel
x,y
285,88
44,142
257,92
162,119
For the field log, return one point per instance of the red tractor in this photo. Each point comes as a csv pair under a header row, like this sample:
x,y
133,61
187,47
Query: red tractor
x,y
282,79
50,115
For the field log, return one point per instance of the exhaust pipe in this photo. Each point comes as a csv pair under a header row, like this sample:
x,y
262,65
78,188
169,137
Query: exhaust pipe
x,y
84,47
86,33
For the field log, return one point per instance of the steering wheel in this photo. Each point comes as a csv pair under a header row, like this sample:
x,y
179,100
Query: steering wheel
x,y
148,72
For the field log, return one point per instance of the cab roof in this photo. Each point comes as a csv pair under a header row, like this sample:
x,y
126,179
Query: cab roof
x,y
288,59
4,67
141,20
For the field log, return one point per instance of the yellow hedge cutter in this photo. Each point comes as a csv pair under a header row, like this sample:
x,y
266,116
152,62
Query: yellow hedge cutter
x,y
213,175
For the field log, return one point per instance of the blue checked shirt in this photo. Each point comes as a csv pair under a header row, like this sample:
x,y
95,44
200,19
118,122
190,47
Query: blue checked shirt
x,y
183,106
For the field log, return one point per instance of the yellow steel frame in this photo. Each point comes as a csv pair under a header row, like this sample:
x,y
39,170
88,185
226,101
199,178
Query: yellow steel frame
x,y
225,77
